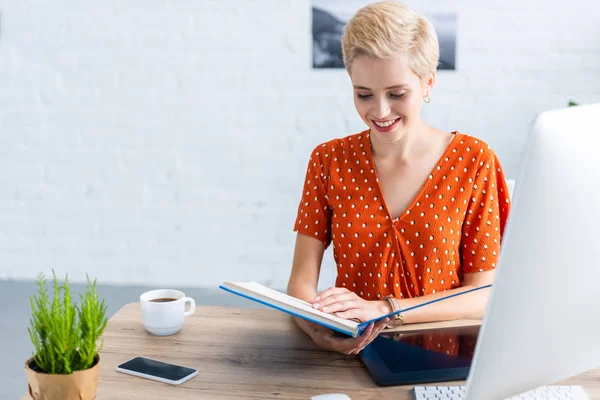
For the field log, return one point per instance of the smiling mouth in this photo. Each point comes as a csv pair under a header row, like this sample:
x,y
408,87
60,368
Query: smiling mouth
x,y
385,124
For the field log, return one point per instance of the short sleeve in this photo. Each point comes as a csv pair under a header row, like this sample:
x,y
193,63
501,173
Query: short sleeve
x,y
314,213
487,213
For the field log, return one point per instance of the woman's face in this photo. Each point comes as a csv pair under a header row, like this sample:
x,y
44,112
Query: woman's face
x,y
388,96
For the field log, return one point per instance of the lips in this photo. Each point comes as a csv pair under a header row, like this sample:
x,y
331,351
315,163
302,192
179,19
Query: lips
x,y
387,125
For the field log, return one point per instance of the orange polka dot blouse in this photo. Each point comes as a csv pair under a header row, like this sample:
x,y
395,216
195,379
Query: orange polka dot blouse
x,y
453,226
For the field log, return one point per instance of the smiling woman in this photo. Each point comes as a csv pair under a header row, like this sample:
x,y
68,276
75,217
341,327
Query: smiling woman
x,y
412,211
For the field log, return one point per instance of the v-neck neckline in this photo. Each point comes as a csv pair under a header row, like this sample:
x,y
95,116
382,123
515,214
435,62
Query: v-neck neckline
x,y
425,185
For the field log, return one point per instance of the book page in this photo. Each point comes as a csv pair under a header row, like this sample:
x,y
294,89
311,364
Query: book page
x,y
289,300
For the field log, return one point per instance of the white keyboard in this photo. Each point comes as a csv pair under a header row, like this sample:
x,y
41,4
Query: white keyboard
x,y
542,393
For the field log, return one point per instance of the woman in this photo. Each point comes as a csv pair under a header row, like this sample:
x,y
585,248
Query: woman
x,y
414,213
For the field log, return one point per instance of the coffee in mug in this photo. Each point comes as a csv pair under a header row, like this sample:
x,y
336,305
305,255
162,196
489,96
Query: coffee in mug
x,y
162,300
163,311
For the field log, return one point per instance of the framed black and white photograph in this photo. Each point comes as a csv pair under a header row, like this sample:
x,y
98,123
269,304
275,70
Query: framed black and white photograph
x,y
330,16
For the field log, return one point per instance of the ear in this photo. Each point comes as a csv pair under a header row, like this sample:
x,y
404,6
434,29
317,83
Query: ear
x,y
428,85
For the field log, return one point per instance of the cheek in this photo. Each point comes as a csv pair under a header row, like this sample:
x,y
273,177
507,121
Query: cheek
x,y
361,107
411,106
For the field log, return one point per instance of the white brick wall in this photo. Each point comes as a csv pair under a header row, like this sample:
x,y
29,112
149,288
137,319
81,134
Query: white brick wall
x,y
165,142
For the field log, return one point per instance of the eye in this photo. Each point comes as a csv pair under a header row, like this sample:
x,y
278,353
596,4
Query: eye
x,y
364,96
397,95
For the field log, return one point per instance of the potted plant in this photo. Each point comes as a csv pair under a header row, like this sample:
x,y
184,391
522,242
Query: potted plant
x,y
65,362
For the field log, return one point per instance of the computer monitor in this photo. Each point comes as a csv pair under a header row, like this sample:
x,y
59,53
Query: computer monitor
x,y
542,323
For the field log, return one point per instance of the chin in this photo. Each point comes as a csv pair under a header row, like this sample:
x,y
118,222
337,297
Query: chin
x,y
388,137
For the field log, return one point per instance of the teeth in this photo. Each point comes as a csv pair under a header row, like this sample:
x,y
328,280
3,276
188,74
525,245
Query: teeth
x,y
384,124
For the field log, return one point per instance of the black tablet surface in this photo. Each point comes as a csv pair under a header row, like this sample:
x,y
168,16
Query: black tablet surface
x,y
439,355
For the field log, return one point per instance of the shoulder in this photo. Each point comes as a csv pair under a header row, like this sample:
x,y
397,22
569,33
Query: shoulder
x,y
475,149
332,150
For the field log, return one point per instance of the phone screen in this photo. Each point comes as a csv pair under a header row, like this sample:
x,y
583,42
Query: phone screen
x,y
159,369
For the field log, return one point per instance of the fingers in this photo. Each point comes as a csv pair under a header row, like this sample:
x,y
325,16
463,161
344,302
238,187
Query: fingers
x,y
351,312
377,328
337,301
350,346
335,298
381,324
367,337
363,340
329,292
370,335
341,306
355,351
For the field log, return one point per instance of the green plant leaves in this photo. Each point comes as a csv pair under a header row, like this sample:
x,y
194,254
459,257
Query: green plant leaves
x,y
64,335
92,321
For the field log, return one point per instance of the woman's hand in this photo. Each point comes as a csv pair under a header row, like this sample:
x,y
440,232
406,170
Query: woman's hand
x,y
346,304
326,339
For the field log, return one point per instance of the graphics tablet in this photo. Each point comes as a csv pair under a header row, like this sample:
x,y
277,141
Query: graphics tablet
x,y
439,355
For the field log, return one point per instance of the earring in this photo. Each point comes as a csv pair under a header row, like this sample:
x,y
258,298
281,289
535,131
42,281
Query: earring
x,y
427,99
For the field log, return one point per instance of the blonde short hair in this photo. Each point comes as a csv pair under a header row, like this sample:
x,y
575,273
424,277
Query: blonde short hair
x,y
388,29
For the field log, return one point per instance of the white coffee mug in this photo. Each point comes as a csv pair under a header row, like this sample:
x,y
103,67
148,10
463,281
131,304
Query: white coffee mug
x,y
163,311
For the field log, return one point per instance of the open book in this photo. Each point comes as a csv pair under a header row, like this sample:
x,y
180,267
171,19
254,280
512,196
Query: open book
x,y
299,308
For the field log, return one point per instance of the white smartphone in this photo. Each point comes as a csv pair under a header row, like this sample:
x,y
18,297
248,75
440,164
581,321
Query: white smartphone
x,y
157,370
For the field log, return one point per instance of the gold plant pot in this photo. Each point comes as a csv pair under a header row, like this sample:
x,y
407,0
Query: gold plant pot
x,y
80,385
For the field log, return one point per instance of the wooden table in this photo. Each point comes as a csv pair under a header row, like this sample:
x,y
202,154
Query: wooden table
x,y
244,353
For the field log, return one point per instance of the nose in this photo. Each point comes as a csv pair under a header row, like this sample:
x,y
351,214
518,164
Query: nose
x,y
382,109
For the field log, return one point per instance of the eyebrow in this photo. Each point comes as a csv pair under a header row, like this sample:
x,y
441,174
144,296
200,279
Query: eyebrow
x,y
401,86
